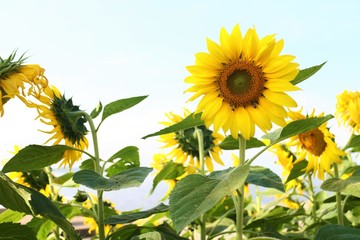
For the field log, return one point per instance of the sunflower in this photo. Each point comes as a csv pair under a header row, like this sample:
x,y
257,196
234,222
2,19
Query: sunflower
x,y
55,110
317,146
14,75
348,109
242,82
185,144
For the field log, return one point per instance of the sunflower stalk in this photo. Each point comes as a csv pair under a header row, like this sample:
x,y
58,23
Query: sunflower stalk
x,y
98,169
240,192
338,199
200,138
312,198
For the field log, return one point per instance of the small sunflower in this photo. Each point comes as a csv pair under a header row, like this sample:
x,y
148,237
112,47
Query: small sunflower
x,y
348,109
185,144
14,75
317,146
242,82
55,110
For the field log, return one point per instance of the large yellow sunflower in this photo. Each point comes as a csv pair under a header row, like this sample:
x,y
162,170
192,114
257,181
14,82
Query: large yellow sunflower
x,y
14,76
185,144
317,146
348,109
55,110
242,82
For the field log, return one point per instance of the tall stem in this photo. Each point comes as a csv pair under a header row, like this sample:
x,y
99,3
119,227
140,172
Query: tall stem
x,y
338,199
200,137
53,195
240,195
100,212
311,186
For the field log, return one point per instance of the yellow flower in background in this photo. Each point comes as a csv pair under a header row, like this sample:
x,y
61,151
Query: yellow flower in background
x,y
317,146
15,76
348,109
55,110
242,82
185,144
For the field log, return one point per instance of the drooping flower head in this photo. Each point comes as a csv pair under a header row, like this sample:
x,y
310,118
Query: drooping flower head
x,y
185,144
348,109
242,82
317,146
55,110
15,76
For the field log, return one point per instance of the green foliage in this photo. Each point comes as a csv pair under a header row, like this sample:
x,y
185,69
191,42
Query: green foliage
x,y
35,157
96,111
133,177
231,143
337,232
297,170
15,231
170,171
349,186
306,73
353,143
11,216
195,194
124,159
193,120
264,177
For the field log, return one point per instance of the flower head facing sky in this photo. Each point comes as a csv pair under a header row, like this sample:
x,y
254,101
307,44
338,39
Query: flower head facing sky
x,y
14,76
57,111
242,82
317,146
185,144
348,109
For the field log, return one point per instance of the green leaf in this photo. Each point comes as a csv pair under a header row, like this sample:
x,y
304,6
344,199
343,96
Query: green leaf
x,y
63,178
35,157
231,143
88,164
148,236
11,216
190,121
170,171
264,177
133,177
354,142
120,105
127,158
195,194
306,73
20,198
131,217
297,170
296,127
16,231
337,232
96,111
349,186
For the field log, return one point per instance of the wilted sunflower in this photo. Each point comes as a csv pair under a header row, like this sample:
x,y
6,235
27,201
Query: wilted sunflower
x,y
185,144
242,82
55,110
317,146
14,75
348,109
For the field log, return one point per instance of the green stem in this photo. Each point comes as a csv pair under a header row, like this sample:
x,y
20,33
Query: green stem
x,y
240,191
200,137
338,199
98,169
313,209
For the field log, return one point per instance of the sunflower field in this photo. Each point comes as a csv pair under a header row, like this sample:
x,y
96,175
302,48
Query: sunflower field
x,y
242,88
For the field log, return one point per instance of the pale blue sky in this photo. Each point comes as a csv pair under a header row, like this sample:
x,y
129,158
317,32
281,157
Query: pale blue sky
x,y
108,50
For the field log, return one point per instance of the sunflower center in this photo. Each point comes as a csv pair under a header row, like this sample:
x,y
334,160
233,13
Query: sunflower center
x,y
188,141
241,84
313,141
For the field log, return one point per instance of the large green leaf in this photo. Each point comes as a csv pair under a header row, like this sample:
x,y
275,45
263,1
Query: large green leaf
x,y
35,157
124,159
131,217
337,232
190,121
195,194
296,127
354,143
15,231
11,216
231,143
306,73
349,186
148,236
133,177
120,105
297,170
170,171
20,198
264,177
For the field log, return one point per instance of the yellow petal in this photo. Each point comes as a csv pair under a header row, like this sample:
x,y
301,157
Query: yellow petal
x,y
279,98
280,86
